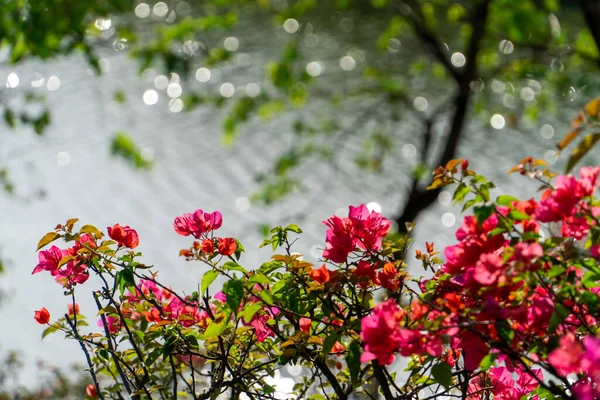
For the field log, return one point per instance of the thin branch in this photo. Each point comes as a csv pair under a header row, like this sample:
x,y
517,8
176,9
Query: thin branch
x,y
87,355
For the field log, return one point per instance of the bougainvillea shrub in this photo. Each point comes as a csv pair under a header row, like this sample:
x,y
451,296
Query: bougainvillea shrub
x,y
509,311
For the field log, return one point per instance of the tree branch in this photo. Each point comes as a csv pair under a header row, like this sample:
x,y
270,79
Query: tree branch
x,y
418,198
591,13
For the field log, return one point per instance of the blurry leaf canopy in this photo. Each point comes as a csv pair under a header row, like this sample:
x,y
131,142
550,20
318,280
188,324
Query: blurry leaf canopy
x,y
350,71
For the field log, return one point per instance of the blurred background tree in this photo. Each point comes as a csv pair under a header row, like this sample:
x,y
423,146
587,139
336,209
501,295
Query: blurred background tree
x,y
423,63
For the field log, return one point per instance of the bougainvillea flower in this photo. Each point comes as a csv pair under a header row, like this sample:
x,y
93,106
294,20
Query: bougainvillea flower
x,y
380,331
566,358
361,229
339,240
73,310
48,259
365,273
208,246
124,236
337,348
488,269
305,325
197,223
321,275
226,246
259,323
559,203
589,180
91,391
85,241
113,324
42,316
474,350
71,274
369,227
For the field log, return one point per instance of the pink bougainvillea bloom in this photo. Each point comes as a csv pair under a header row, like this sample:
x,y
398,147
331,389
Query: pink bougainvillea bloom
x,y
595,251
226,246
589,179
488,269
259,323
380,331
184,224
591,359
528,252
220,296
198,223
71,274
527,382
305,325
124,236
576,227
559,203
566,358
339,240
584,390
540,310
362,228
113,324
42,316
369,227
48,259
474,350
85,241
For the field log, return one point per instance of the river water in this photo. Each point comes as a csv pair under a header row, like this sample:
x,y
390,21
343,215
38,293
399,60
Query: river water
x,y
68,172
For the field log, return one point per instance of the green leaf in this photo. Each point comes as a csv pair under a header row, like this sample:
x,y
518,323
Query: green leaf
x,y
293,228
518,215
233,266
154,354
353,361
234,290
46,239
487,361
558,316
207,279
459,194
259,278
250,310
49,330
90,229
555,271
482,213
468,204
269,267
239,249
505,200
215,329
123,146
329,342
442,373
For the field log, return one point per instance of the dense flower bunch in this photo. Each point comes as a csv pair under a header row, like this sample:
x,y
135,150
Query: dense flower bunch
x,y
510,313
506,299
